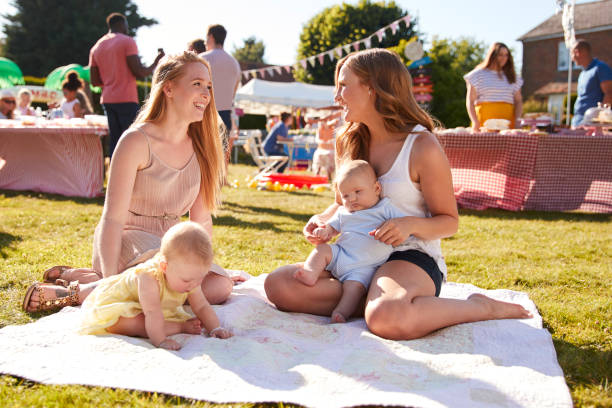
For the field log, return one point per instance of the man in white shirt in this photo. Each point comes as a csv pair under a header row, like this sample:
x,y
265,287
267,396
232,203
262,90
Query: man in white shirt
x,y
225,76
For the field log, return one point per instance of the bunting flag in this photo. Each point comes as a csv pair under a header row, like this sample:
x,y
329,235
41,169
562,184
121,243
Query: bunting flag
x,y
333,54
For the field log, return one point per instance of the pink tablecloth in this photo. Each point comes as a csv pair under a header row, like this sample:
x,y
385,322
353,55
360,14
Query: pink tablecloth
x,y
531,172
65,161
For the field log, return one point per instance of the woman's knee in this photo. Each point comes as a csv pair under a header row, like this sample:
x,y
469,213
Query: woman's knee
x,y
217,288
276,288
391,319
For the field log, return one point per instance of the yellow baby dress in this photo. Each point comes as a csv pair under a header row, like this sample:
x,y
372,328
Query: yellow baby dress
x,y
117,296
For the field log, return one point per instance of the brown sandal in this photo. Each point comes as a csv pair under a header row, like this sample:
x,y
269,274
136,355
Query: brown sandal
x,y
61,269
51,304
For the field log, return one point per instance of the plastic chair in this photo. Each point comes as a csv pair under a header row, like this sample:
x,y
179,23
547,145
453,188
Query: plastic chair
x,y
266,164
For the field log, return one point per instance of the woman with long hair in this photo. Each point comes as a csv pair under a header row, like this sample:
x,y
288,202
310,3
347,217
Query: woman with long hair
x,y
168,163
386,127
494,89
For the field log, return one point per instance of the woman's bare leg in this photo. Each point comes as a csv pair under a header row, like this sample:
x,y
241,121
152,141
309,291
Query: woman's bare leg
x,y
401,304
135,326
216,288
83,275
291,295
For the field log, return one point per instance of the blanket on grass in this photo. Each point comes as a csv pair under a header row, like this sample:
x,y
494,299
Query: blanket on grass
x,y
302,359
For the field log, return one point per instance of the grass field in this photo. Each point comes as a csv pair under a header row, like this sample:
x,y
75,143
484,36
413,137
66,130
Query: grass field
x,y
562,260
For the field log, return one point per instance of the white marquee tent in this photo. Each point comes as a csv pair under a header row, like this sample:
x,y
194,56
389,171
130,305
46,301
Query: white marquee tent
x,y
270,98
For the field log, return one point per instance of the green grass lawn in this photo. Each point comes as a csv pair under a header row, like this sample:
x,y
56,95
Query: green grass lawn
x,y
562,260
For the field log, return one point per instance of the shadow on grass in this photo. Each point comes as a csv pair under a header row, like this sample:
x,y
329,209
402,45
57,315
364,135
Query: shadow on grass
x,y
230,221
583,365
266,210
6,240
52,197
537,215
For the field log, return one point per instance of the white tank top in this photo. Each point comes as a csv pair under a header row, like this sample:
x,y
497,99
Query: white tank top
x,y
68,107
405,194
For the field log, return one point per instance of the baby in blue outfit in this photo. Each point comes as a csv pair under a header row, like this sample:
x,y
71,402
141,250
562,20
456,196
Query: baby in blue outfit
x,y
355,255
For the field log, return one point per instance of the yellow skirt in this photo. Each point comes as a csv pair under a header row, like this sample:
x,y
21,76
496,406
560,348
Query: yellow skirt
x,y
495,110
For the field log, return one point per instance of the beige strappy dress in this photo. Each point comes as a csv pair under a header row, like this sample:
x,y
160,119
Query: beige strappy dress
x,y
161,195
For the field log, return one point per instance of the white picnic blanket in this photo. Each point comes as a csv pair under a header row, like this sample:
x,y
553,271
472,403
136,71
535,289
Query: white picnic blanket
x,y
303,359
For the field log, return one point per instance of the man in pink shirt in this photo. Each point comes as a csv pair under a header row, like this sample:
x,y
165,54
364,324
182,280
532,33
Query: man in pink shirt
x,y
225,76
115,65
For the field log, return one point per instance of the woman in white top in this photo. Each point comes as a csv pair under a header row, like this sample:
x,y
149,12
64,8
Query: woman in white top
x,y
386,127
493,88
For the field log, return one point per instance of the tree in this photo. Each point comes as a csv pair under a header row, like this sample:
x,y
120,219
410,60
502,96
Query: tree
x,y
251,51
343,24
451,60
43,35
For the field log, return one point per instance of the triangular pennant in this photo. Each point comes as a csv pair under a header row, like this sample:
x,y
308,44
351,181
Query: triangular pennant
x,y
380,34
406,20
347,48
321,58
287,68
356,45
253,73
330,54
368,42
338,52
262,73
312,60
394,27
245,75
270,71
303,62
279,70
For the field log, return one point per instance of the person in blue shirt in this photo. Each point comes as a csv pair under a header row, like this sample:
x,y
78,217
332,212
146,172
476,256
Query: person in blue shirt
x,y
279,133
594,82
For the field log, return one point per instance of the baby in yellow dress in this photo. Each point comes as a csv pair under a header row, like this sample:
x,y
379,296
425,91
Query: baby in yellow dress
x,y
147,299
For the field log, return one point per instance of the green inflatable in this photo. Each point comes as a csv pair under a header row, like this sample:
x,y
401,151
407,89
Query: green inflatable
x,y
10,74
55,78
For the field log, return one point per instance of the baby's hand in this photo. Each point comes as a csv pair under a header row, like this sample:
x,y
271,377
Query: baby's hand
x,y
220,333
322,233
169,344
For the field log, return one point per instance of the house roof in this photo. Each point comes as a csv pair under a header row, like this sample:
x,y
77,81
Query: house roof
x,y
587,16
552,88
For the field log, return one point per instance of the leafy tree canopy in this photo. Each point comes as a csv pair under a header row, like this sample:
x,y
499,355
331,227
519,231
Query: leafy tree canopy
x,y
251,51
42,35
452,59
343,24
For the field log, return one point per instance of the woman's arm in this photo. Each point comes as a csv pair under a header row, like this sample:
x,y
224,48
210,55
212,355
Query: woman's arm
x,y
198,213
429,167
470,104
131,153
518,107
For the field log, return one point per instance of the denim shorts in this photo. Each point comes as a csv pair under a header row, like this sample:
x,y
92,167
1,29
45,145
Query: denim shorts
x,y
423,261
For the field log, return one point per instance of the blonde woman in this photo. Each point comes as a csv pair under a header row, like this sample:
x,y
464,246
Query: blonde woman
x,y
168,163
386,127
493,89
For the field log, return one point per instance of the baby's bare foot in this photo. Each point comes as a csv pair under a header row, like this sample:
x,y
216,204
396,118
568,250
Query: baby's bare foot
x,y
337,317
497,309
306,277
192,326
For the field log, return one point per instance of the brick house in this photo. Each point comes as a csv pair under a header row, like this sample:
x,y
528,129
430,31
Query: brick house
x,y
545,57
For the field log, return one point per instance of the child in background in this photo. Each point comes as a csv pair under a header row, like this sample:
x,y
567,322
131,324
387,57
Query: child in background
x,y
24,99
147,299
356,255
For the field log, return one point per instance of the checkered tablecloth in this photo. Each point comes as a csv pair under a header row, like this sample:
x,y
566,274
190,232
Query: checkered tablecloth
x,y
526,171
59,160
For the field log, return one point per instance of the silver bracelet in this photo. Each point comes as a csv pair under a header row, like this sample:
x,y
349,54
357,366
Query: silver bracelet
x,y
210,333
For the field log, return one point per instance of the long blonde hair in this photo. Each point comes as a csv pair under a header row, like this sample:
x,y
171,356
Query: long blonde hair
x,y
204,135
384,72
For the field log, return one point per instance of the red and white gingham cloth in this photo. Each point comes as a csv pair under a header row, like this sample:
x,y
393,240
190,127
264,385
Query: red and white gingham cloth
x,y
57,160
525,171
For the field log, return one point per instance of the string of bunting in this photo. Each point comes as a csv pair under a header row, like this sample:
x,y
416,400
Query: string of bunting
x,y
331,54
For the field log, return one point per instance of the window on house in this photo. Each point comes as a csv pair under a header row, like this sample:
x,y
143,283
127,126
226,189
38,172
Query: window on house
x,y
563,58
